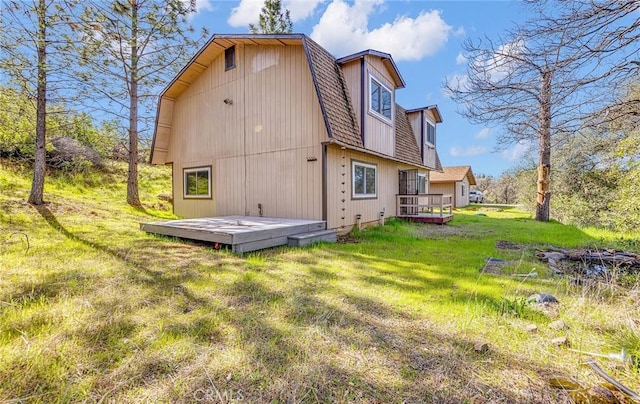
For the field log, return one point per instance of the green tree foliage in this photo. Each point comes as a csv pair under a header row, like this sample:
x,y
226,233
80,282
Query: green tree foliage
x,y
272,19
131,50
18,127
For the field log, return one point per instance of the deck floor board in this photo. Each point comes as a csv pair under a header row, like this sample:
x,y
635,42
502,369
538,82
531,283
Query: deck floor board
x,y
242,233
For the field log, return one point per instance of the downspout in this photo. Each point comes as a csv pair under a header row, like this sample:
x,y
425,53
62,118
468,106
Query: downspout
x,y
362,103
324,182
422,137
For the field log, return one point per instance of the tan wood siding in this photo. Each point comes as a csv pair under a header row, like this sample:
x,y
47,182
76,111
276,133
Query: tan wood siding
x,y
386,188
258,141
416,126
194,207
379,134
454,189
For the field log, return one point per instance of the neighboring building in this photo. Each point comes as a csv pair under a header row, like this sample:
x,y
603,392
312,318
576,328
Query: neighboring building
x,y
454,181
275,126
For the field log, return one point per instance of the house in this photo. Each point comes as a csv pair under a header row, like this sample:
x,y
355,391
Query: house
x,y
275,126
455,181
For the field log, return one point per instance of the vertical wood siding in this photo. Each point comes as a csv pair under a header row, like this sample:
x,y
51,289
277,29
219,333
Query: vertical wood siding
x,y
259,142
379,135
351,72
386,187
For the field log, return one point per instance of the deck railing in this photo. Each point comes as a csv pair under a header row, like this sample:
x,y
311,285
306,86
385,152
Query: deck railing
x,y
413,205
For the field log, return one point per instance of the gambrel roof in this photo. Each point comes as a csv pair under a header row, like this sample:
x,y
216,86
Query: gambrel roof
x,y
332,92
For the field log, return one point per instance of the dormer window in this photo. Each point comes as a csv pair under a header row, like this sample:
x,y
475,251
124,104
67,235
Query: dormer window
x,y
430,137
380,100
230,58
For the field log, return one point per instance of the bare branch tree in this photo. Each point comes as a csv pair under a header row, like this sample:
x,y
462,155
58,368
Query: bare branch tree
x,y
565,69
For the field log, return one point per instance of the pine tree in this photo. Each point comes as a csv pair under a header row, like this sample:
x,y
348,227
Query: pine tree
x,y
132,48
272,19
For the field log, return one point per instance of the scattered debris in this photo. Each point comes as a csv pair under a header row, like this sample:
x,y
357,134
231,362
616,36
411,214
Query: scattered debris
x,y
590,263
560,341
623,356
541,298
529,275
558,325
531,328
581,394
619,386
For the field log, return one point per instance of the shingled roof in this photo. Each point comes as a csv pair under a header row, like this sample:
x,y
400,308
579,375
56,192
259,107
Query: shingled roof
x,y
406,146
333,94
453,174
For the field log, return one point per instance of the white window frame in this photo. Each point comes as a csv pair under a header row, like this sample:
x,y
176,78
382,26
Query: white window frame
x,y
426,133
186,171
375,113
424,177
353,180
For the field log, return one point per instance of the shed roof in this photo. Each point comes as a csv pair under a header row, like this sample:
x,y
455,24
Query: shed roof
x,y
453,174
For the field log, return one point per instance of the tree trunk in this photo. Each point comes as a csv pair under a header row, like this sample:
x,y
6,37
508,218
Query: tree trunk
x,y
544,152
36,196
132,178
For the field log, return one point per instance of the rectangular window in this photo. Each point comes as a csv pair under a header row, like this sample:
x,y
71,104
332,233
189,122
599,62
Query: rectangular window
x,y
197,182
363,180
230,58
381,99
422,184
431,133
463,191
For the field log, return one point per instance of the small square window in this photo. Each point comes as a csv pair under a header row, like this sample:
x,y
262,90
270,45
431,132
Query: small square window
x,y
197,182
230,58
363,180
380,100
431,133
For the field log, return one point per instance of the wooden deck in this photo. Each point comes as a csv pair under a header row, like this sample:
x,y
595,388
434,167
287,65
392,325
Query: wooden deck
x,y
425,208
428,218
242,233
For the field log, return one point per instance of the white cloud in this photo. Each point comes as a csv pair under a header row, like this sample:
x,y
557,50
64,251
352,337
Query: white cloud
x,y
343,29
460,31
301,9
516,152
203,5
248,11
460,59
470,151
483,133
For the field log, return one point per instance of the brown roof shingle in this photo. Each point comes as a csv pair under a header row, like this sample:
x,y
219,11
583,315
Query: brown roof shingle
x,y
335,101
406,146
453,174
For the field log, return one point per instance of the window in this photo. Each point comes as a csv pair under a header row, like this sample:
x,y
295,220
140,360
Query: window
x,y
431,133
197,182
364,180
230,58
422,184
462,190
380,101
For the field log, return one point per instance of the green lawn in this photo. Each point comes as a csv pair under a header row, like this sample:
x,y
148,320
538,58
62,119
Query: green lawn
x,y
93,309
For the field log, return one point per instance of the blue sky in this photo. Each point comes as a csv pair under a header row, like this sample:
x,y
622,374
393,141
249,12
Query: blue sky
x,y
424,37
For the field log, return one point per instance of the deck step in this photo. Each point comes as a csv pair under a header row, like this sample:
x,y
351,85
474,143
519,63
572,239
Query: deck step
x,y
303,239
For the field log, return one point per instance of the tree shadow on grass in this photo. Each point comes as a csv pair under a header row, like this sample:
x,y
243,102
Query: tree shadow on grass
x,y
300,339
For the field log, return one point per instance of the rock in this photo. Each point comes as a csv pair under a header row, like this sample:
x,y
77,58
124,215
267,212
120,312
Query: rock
x,y
481,347
542,298
558,325
166,197
531,328
560,341
565,383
